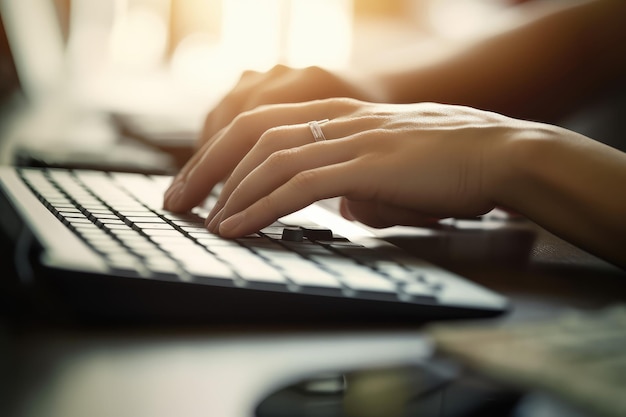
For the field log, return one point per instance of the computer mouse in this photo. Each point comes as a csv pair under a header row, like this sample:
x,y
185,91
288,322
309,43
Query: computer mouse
x,y
424,389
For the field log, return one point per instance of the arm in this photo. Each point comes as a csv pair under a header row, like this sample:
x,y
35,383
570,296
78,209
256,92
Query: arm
x,y
557,56
572,185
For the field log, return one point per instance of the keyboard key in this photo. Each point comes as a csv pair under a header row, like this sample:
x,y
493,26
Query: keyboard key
x,y
145,219
317,233
126,263
162,233
306,275
153,226
255,271
163,268
193,229
307,249
141,187
417,289
356,277
210,270
292,234
136,213
110,221
183,217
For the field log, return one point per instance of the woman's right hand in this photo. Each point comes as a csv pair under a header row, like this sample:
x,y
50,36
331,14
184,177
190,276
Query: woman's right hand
x,y
393,163
282,84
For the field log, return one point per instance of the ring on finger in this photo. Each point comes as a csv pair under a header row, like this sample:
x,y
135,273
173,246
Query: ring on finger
x,y
316,130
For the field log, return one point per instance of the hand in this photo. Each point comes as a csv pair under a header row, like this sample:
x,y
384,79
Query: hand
x,y
394,164
279,85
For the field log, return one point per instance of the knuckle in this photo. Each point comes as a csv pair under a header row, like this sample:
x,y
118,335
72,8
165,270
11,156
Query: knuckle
x,y
279,158
305,180
248,118
314,71
248,74
279,69
242,118
271,137
349,103
341,105
269,205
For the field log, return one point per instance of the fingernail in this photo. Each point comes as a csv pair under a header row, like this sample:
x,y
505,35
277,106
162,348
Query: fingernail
x,y
231,224
214,222
344,210
217,208
172,194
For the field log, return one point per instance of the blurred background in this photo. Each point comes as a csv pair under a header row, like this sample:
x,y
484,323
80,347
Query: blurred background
x,y
83,68
126,53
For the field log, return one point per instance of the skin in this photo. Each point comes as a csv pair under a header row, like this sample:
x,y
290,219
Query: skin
x,y
408,164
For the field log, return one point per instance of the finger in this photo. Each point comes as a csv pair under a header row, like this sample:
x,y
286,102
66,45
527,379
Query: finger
x,y
253,89
177,198
221,157
199,158
228,108
223,154
303,189
276,158
344,210
210,165
181,176
279,168
272,141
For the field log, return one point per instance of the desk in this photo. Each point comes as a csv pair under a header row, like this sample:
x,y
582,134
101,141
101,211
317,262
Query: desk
x,y
225,371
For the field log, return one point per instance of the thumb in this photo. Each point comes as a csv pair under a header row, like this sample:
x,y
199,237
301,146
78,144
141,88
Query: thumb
x,y
379,215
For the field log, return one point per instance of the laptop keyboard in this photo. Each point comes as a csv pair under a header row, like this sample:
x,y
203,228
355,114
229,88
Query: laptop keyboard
x,y
119,216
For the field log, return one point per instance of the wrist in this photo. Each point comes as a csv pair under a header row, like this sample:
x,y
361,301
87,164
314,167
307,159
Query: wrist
x,y
519,177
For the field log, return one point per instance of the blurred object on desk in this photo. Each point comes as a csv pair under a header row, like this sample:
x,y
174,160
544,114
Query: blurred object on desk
x,y
422,388
174,135
578,358
139,60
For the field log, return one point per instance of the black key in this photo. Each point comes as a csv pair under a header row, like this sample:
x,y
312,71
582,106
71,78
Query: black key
x,y
317,232
293,234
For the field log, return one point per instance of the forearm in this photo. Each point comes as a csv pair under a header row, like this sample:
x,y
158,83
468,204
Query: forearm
x,y
539,70
571,185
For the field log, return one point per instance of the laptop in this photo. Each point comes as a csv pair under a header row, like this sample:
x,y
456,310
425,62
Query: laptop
x,y
95,245
62,120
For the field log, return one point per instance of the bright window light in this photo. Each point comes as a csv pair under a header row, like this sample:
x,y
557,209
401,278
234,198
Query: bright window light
x,y
460,18
258,34
320,33
139,39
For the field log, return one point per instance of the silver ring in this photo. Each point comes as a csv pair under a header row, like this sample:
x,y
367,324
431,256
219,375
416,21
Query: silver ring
x,y
316,130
